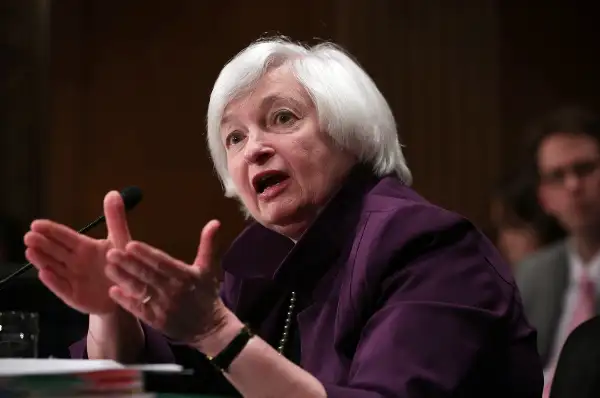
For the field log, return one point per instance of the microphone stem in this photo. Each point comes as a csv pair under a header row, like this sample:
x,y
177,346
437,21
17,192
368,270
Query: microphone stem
x,y
26,267
91,225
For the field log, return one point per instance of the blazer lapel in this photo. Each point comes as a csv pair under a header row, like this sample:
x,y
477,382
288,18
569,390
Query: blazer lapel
x,y
551,307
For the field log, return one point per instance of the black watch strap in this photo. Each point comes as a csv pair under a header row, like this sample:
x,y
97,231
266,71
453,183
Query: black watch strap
x,y
224,359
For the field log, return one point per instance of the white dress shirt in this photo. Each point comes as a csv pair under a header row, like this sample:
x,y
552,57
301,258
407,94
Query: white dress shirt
x,y
572,294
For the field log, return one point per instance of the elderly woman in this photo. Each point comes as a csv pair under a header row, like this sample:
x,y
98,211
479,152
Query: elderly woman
x,y
347,283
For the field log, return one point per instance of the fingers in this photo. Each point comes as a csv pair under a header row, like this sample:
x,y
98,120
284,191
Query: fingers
x,y
142,271
38,241
157,259
204,257
58,233
147,273
136,279
124,300
43,261
144,312
116,219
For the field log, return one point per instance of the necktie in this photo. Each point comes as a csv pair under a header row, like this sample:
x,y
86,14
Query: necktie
x,y
584,310
585,304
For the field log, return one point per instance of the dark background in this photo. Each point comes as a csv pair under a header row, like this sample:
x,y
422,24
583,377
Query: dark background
x,y
100,94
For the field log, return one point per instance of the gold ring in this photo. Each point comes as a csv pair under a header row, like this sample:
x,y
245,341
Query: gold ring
x,y
146,299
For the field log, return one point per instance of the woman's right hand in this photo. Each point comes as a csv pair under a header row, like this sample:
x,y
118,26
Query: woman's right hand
x,y
72,265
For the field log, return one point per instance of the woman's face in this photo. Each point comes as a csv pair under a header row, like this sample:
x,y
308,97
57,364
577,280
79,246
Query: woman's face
x,y
283,166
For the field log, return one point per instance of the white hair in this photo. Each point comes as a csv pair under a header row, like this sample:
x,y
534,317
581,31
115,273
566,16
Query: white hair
x,y
350,107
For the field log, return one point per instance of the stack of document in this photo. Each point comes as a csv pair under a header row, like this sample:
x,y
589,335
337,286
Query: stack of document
x,y
74,378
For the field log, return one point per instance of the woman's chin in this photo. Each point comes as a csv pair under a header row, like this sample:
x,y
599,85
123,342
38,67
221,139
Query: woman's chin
x,y
278,212
286,221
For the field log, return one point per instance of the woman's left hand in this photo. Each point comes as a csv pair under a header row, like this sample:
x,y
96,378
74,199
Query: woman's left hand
x,y
180,300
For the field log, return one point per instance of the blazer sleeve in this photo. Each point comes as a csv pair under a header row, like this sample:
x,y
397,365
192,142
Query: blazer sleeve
x,y
442,304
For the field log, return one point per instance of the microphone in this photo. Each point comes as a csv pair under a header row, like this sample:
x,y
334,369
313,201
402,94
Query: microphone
x,y
131,197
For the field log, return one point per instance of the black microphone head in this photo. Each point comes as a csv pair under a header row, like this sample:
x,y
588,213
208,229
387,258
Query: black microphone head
x,y
131,197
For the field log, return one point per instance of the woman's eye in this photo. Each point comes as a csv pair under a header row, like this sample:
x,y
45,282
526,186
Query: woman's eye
x,y
284,117
233,138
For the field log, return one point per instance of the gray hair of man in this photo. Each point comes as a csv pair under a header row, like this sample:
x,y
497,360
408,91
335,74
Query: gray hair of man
x,y
351,109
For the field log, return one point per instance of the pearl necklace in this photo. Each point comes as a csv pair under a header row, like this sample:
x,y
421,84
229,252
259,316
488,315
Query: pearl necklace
x,y
288,321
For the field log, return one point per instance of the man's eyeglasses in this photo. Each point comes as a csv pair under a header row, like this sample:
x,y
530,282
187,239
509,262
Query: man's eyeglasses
x,y
579,169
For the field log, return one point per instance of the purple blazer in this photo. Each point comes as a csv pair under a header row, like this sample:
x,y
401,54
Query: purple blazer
x,y
396,298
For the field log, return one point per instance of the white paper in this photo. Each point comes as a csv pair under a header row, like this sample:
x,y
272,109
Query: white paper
x,y
158,367
27,366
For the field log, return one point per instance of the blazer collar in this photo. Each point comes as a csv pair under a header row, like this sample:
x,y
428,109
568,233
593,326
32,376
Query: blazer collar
x,y
261,253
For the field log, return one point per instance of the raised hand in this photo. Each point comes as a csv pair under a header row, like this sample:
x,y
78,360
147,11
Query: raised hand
x,y
179,299
72,265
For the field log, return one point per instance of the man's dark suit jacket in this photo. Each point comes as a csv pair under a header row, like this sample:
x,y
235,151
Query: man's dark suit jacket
x,y
578,369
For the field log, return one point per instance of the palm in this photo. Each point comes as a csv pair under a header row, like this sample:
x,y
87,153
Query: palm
x,y
73,265
87,285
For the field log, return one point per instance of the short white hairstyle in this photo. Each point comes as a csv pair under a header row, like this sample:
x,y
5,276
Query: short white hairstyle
x,y
350,107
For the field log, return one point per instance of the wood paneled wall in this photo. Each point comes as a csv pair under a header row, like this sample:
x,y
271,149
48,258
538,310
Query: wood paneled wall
x,y
445,91
131,87
23,111
549,58
130,82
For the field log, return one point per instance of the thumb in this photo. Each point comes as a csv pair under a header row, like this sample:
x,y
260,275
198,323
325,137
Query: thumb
x,y
204,257
116,219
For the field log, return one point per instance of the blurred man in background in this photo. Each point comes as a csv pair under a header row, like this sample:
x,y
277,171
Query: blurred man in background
x,y
559,284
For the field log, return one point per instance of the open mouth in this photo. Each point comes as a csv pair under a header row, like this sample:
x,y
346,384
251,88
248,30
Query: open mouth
x,y
268,179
